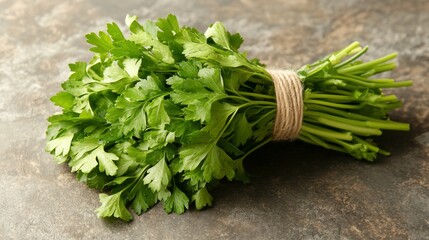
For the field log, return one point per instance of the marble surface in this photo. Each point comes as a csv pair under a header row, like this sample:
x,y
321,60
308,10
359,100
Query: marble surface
x,y
297,191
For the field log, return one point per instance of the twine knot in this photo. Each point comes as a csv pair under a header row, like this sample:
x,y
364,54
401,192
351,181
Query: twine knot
x,y
290,104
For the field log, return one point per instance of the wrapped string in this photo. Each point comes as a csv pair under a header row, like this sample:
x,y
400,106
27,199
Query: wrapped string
x,y
290,104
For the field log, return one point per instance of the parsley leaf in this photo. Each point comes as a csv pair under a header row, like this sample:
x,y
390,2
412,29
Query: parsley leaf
x,y
102,42
61,145
177,202
202,198
89,154
158,176
113,205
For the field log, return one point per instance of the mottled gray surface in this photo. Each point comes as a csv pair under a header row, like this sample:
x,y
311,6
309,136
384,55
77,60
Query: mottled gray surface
x,y
298,191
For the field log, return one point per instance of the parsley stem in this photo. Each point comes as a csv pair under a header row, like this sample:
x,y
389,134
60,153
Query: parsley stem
x,y
381,124
337,57
251,103
367,65
336,105
354,57
325,132
266,141
312,139
346,125
255,95
270,113
230,118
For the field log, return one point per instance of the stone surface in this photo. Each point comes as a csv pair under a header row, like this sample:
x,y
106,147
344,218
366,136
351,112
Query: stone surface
x,y
298,191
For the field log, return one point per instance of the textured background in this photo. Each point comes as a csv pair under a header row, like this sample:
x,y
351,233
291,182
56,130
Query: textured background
x,y
298,191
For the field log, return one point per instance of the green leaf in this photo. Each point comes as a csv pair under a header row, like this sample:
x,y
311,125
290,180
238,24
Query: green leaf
x,y
177,202
154,156
189,69
192,155
218,164
126,163
74,84
78,69
61,145
235,41
207,53
202,198
130,20
130,116
142,198
211,79
199,108
130,49
242,131
113,206
155,139
83,106
114,73
194,179
145,89
234,78
94,155
63,99
115,32
61,159
219,35
132,66
105,161
240,172
168,27
151,28
182,128
156,115
102,42
159,50
197,137
101,102
158,176
96,180
203,51
221,112
198,94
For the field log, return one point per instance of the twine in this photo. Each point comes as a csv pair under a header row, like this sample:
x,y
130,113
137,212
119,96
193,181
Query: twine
x,y
290,104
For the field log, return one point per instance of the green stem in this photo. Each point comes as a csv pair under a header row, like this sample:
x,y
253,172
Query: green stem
x,y
338,57
336,105
256,95
367,65
325,132
348,126
327,145
250,103
252,94
256,147
272,112
354,57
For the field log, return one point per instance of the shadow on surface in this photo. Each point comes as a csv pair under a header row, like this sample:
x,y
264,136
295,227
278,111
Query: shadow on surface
x,y
298,166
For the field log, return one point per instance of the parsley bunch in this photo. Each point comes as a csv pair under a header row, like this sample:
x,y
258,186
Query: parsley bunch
x,y
164,114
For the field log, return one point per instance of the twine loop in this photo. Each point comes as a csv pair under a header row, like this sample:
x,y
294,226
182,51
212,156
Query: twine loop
x,y
290,104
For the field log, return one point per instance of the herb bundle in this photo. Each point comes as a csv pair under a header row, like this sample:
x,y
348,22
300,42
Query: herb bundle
x,y
164,114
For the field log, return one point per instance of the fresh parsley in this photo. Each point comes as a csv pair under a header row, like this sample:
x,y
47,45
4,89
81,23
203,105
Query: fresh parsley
x,y
166,112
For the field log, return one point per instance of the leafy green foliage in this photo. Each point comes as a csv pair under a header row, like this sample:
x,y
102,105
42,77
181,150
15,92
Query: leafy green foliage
x,y
166,112
177,202
113,206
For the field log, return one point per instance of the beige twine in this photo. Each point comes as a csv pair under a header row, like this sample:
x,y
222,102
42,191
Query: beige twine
x,y
290,104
